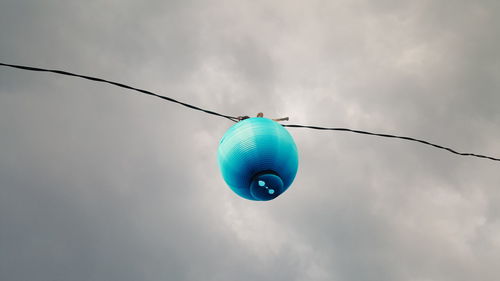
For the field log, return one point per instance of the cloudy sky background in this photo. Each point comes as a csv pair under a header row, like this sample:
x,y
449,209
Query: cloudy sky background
x,y
100,183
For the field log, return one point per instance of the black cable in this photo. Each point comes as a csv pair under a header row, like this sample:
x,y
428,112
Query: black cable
x,y
236,119
396,137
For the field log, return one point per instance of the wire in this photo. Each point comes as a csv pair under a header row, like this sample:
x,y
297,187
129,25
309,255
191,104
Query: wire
x,y
396,137
30,68
239,118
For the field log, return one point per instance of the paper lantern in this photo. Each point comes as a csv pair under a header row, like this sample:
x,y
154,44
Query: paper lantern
x,y
258,159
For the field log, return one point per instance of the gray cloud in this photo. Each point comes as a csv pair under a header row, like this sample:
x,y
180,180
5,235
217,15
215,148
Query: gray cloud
x,y
98,183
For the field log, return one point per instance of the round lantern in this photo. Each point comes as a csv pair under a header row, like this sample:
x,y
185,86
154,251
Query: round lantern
x,y
258,159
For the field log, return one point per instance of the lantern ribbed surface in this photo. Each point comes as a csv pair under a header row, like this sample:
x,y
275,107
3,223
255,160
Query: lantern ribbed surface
x,y
258,158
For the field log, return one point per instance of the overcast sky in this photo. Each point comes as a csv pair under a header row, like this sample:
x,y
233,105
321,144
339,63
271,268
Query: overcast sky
x,y
100,183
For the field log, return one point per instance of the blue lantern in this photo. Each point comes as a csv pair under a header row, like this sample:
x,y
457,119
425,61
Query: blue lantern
x,y
258,159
